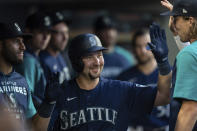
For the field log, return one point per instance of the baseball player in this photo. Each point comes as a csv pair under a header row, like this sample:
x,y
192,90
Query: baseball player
x,y
39,24
146,73
106,29
171,25
184,112
51,58
90,102
15,96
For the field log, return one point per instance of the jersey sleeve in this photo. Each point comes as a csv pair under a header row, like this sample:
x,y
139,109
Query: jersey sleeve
x,y
142,99
31,111
185,85
28,70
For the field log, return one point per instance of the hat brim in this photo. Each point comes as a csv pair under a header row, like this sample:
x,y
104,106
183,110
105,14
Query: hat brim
x,y
23,35
96,48
168,13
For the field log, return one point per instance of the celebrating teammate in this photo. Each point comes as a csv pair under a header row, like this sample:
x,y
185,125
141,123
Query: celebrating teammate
x,y
90,102
39,25
15,96
184,18
51,58
146,73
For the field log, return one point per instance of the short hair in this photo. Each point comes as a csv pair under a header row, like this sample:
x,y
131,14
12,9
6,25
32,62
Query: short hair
x,y
137,33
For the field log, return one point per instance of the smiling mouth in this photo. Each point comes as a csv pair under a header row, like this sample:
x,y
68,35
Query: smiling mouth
x,y
95,69
21,53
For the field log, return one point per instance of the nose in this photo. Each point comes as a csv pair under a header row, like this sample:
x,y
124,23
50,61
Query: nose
x,y
22,46
96,61
64,36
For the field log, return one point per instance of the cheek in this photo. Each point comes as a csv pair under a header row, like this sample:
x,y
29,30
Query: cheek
x,y
102,61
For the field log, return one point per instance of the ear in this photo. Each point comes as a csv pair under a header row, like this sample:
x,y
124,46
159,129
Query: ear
x,y
191,20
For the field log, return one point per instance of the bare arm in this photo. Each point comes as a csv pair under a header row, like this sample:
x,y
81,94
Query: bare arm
x,y
163,91
40,123
187,116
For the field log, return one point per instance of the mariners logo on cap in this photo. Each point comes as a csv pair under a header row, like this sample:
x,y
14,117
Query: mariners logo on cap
x,y
47,21
184,11
59,15
17,26
95,41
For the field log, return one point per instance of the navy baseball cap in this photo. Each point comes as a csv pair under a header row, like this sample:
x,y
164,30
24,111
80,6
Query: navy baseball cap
x,y
104,22
11,30
58,17
38,20
183,8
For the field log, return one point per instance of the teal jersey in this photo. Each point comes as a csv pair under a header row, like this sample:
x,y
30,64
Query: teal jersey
x,y
34,75
31,110
186,72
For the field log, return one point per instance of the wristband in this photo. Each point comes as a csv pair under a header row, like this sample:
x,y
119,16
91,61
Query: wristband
x,y
45,109
164,68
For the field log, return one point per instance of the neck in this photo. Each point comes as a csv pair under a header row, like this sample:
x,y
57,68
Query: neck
x,y
52,51
110,49
35,50
149,67
5,67
86,83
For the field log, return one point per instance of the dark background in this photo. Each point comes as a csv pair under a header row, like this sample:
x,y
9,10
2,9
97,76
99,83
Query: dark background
x,y
130,15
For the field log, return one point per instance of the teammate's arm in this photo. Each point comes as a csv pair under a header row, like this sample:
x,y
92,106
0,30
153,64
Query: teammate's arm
x,y
163,89
159,48
41,120
40,123
187,116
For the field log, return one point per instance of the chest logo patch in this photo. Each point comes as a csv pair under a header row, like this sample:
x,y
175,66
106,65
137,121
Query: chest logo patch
x,y
70,99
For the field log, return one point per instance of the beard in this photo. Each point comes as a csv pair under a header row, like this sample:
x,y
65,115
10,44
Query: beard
x,y
92,77
143,61
96,75
9,56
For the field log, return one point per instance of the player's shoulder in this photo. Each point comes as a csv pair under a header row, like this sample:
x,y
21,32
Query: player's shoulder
x,y
29,59
114,83
128,73
68,84
45,56
18,77
188,51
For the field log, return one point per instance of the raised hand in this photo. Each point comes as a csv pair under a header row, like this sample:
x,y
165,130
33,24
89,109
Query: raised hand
x,y
53,85
50,95
159,48
167,4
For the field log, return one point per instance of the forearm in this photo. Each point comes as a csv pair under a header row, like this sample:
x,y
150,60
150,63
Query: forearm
x,y
187,116
163,89
40,123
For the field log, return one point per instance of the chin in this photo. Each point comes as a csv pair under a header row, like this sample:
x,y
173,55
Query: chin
x,y
94,76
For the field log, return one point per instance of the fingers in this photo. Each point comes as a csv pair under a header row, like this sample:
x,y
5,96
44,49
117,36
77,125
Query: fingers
x,y
156,30
167,4
163,34
151,29
151,46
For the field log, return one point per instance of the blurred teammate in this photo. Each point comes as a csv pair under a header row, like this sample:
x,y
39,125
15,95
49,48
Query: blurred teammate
x,y
90,102
146,73
51,58
15,96
184,18
39,24
106,29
